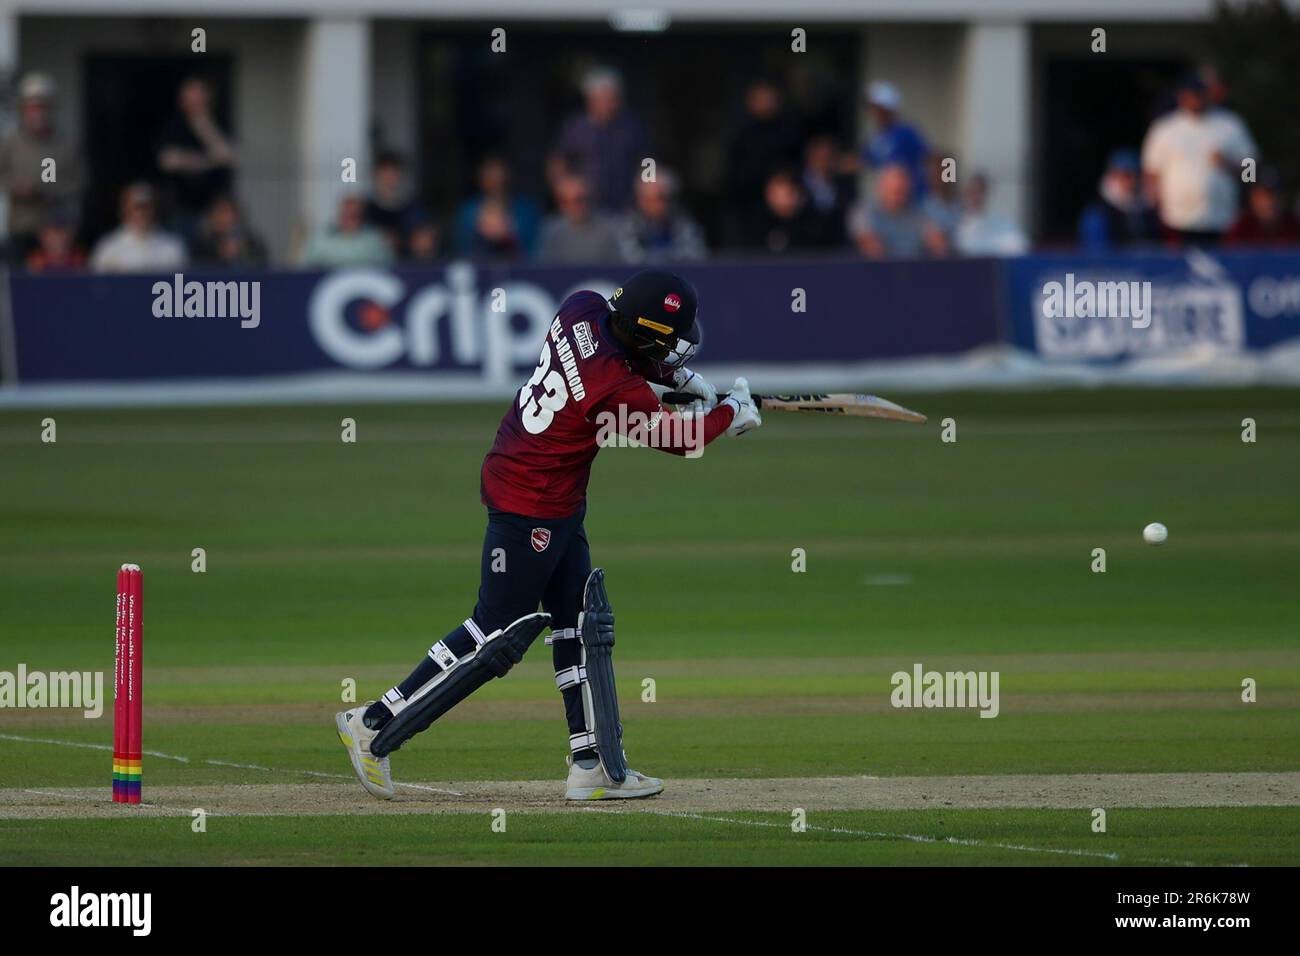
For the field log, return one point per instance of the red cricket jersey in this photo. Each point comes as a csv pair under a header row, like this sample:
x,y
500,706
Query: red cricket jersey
x,y
541,460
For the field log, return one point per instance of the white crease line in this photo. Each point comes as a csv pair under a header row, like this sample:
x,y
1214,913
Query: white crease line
x,y
163,809
143,805
420,786
218,763
90,798
86,746
913,837
321,773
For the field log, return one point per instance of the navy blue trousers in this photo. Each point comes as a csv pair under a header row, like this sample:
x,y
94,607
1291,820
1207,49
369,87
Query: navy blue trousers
x,y
516,576
526,562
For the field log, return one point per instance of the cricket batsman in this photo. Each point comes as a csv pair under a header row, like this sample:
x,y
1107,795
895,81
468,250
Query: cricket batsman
x,y
597,363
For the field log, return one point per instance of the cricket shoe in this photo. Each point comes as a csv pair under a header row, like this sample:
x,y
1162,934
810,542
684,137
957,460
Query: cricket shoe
x,y
372,771
592,783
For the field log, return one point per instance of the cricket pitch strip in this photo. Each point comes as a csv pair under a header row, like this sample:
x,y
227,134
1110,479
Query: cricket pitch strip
x,y
1009,791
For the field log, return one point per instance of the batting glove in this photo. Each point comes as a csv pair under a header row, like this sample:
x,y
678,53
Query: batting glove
x,y
746,416
693,383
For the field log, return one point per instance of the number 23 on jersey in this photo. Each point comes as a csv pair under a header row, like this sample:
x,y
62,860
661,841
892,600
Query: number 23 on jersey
x,y
538,411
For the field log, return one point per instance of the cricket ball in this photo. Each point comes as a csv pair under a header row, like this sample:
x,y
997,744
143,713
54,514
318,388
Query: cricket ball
x,y
1155,533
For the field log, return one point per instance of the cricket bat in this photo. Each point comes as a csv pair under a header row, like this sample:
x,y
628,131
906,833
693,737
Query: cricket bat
x,y
836,403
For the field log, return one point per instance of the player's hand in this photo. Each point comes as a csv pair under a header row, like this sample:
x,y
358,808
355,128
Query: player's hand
x,y
693,383
746,416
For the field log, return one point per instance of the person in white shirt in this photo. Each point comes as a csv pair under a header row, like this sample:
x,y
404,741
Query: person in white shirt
x,y
1191,159
138,245
982,232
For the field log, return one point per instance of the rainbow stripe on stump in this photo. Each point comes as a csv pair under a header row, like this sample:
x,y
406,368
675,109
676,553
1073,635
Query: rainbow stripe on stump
x,y
126,780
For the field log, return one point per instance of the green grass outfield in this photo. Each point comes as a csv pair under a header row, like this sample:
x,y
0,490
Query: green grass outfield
x,y
329,561
912,838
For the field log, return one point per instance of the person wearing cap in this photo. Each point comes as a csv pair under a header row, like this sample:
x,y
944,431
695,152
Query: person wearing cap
x,y
605,144
1191,159
1266,221
138,244
24,157
893,141
1120,216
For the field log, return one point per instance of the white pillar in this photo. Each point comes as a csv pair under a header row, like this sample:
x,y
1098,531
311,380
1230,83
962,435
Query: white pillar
x,y
9,76
334,115
994,85
8,38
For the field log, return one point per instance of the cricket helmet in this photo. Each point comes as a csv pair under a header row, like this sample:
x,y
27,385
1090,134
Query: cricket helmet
x,y
654,314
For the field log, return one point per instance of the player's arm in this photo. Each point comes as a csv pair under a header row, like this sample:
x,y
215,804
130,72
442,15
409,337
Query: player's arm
x,y
637,413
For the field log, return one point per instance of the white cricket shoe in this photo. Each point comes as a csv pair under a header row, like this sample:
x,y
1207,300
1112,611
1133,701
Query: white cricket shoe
x,y
372,771
595,784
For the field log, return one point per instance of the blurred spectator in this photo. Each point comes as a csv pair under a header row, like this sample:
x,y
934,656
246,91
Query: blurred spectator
x,y
391,208
656,231
765,141
1218,99
576,233
23,153
56,246
494,234
1121,216
894,142
196,156
1216,90
942,200
509,227
605,144
1191,158
138,245
787,224
349,242
224,239
892,222
422,243
830,192
982,232
1266,221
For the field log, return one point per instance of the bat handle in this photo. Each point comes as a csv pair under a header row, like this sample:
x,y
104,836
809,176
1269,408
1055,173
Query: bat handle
x,y
686,398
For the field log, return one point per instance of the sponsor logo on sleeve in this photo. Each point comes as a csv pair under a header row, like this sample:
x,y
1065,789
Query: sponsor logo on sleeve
x,y
586,343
